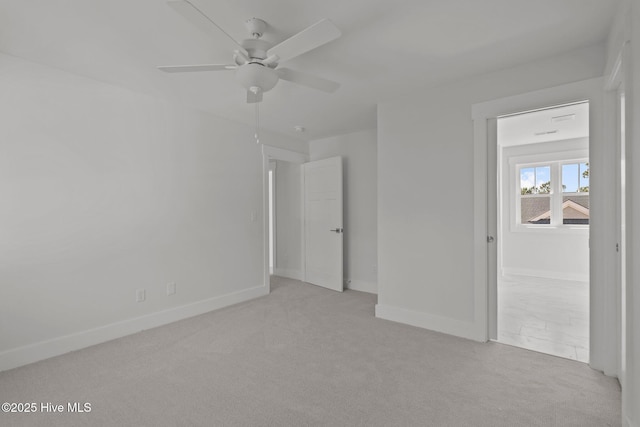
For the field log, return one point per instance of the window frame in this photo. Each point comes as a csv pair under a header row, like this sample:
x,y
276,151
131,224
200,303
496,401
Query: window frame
x,y
555,160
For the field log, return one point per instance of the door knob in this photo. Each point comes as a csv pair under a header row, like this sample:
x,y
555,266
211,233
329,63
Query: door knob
x,y
337,230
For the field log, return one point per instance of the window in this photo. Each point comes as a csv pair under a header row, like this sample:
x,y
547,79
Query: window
x,y
554,193
575,193
535,192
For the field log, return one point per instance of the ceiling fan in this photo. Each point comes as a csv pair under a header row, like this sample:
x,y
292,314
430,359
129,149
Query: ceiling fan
x,y
256,61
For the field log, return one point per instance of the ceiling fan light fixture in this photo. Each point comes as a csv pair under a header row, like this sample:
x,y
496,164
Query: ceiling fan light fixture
x,y
256,75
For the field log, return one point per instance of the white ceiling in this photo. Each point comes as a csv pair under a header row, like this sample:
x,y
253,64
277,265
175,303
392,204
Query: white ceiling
x,y
551,124
388,48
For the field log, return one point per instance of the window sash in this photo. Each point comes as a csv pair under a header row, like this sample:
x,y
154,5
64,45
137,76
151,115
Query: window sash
x,y
556,195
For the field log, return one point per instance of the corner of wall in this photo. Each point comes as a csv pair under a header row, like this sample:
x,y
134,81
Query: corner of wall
x,y
362,286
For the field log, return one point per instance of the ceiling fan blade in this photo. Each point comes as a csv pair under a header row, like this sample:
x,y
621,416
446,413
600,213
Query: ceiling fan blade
x,y
194,68
308,80
197,17
314,36
252,97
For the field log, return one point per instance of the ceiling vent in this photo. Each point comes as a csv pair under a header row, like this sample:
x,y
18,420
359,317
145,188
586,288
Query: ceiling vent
x,y
563,118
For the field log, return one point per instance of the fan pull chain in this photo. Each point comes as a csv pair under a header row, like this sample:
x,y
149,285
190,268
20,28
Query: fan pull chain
x,y
257,134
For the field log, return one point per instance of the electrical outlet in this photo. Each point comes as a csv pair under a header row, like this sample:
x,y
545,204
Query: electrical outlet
x,y
254,216
140,295
171,288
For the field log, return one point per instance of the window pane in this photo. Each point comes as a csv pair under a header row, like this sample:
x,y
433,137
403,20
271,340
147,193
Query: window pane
x,y
575,209
584,177
535,210
570,181
527,180
543,179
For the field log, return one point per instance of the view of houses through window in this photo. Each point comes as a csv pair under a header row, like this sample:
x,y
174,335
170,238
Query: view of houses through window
x,y
538,193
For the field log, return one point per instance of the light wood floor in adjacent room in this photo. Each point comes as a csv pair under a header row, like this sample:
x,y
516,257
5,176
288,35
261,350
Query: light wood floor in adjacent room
x,y
546,315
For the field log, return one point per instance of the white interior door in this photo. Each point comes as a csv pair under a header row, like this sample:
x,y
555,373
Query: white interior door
x,y
323,222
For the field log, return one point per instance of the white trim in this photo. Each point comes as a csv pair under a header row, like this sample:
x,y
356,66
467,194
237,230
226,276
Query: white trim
x,y
20,356
571,229
362,286
481,226
277,153
545,274
303,237
570,93
432,322
494,209
273,244
616,76
288,273
620,81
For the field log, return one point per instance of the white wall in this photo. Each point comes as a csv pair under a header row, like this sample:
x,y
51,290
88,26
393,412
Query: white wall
x,y
426,191
288,220
558,253
359,153
104,191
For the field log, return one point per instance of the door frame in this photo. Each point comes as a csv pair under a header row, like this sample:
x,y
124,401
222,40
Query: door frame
x,y
274,153
618,82
271,215
602,231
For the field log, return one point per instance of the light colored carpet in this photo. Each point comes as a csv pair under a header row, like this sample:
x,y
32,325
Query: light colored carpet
x,y
306,356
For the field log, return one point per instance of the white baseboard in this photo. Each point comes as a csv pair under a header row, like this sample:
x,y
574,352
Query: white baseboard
x,y
289,273
432,322
13,358
362,286
545,274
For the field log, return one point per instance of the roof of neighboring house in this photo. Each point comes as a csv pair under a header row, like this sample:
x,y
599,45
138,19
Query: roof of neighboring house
x,y
570,209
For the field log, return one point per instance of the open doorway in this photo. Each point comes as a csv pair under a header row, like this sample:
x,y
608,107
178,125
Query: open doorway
x,y
282,195
543,221
288,179
285,219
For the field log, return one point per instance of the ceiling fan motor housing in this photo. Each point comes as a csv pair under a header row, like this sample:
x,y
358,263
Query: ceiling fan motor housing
x,y
253,75
256,49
